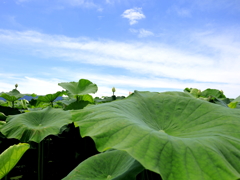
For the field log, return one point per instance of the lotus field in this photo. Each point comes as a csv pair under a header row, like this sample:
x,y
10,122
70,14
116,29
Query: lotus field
x,y
69,135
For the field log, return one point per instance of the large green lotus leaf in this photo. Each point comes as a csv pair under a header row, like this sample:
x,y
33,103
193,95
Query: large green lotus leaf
x,y
82,87
50,97
117,165
12,95
36,125
10,157
179,137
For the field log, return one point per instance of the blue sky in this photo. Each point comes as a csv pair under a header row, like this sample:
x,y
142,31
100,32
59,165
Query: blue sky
x,y
130,44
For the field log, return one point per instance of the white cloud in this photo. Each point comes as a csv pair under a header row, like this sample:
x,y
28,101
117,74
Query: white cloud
x,y
100,9
145,33
133,15
183,12
206,5
141,32
82,3
160,65
123,84
60,4
108,1
116,1
133,30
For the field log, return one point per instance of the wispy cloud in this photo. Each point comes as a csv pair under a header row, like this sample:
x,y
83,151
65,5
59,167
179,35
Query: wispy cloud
x,y
182,12
12,20
116,1
134,15
82,3
211,5
60,4
108,1
142,32
167,66
123,84
21,1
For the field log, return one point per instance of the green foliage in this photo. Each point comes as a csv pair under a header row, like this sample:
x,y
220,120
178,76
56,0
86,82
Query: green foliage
x,y
117,165
82,87
105,99
179,135
2,103
206,93
176,136
36,125
214,96
77,105
11,156
235,103
49,98
213,92
2,123
12,95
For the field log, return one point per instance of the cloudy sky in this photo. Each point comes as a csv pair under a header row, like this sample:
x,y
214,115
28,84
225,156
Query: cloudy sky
x,y
146,45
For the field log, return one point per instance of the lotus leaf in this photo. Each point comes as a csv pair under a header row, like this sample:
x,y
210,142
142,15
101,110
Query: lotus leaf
x,y
117,165
12,95
11,156
179,137
50,97
213,92
36,125
1,124
82,87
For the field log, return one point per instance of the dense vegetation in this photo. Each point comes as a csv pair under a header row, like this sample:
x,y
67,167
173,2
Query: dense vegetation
x,y
189,135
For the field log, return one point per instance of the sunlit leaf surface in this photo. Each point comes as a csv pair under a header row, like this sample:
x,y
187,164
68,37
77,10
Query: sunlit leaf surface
x,y
117,165
82,87
173,134
36,125
10,157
